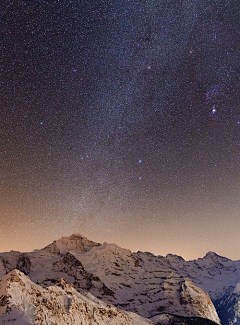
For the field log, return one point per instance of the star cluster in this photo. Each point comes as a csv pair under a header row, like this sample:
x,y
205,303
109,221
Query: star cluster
x,y
120,121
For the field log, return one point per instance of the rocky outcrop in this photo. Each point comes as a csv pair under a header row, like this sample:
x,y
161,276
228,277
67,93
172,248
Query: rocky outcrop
x,y
83,280
24,264
24,302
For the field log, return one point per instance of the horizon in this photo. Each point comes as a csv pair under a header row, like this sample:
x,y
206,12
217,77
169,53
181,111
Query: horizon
x,y
110,243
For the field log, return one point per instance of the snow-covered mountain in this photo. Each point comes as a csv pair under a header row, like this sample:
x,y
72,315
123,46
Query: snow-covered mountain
x,y
139,282
23,302
217,275
213,273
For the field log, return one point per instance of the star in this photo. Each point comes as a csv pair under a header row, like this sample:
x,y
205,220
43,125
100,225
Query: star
x,y
85,106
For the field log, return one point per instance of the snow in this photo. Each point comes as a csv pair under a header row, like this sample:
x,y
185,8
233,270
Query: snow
x,y
163,319
27,303
237,289
136,282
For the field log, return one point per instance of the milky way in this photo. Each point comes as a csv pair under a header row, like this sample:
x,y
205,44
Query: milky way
x,y
120,120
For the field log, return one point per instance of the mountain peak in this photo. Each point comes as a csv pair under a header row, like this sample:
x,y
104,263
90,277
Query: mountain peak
x,y
214,256
173,257
211,254
76,236
75,242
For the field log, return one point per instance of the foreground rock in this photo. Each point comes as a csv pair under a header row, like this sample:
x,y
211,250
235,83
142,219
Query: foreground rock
x,y
22,302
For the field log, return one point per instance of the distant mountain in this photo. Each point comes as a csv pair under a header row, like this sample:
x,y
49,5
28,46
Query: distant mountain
x,y
217,275
155,287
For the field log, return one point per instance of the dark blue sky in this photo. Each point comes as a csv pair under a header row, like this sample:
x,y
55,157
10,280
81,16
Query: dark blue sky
x,y
120,120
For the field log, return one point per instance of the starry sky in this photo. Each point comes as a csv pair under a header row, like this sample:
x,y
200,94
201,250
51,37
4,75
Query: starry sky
x,y
120,120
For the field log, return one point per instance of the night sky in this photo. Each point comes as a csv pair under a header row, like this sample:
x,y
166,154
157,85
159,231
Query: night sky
x,y
120,120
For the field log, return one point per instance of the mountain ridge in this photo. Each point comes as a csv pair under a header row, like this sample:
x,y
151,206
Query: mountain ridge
x,y
139,282
24,302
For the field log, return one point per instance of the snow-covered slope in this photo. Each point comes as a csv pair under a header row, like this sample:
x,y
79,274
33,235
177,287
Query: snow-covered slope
x,y
145,289
22,302
213,273
143,283
217,275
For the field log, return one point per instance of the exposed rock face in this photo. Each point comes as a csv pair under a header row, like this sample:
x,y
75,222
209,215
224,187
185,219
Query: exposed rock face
x,y
229,306
138,282
24,302
194,296
24,264
83,280
213,273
